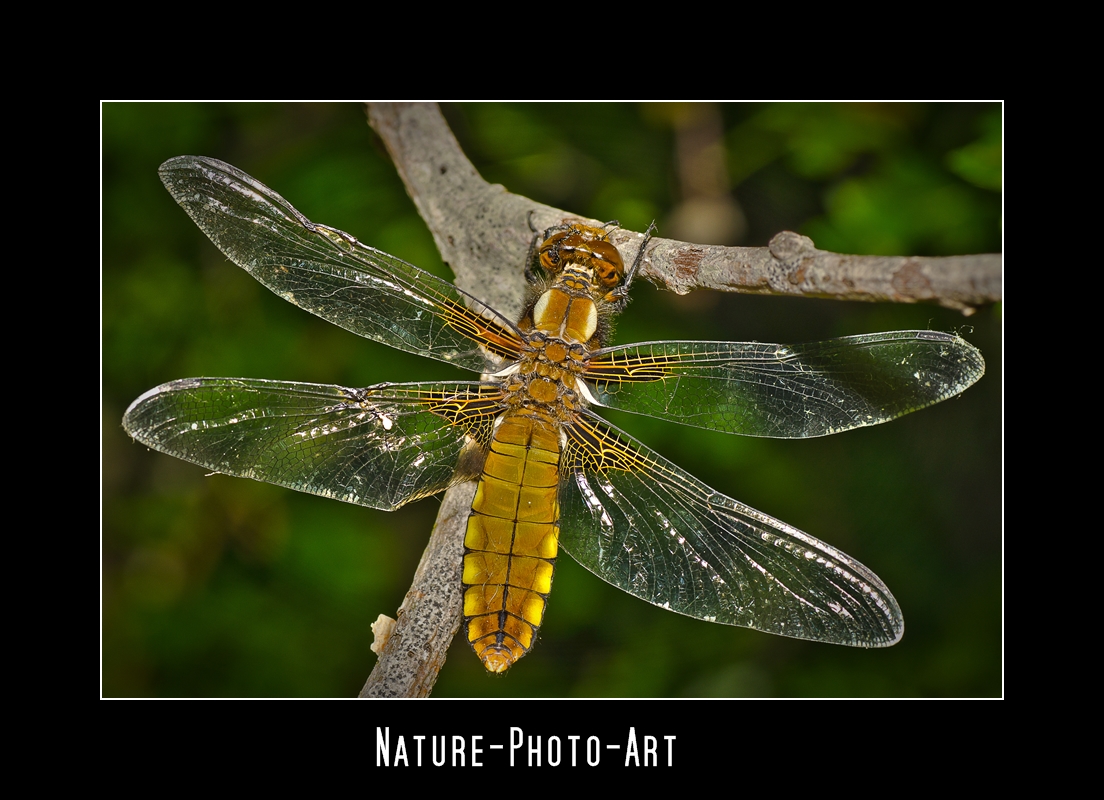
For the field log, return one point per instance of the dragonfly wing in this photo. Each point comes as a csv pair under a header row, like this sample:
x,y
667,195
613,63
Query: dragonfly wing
x,y
642,524
332,275
379,447
785,391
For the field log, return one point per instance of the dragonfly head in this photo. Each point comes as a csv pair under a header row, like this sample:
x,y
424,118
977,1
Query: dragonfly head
x,y
583,244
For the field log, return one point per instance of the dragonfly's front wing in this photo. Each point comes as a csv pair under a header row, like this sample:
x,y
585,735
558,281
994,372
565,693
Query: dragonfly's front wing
x,y
332,275
379,447
786,391
639,522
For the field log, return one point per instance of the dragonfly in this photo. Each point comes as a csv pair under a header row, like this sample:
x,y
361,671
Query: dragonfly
x,y
550,472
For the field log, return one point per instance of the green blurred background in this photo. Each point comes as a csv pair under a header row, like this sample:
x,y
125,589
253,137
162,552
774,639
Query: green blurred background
x,y
216,586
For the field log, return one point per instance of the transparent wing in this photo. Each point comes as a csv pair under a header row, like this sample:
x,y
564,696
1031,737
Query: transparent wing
x,y
785,391
379,447
642,524
332,275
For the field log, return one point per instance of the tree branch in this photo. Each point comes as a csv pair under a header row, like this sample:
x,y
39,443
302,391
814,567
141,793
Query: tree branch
x,y
414,650
792,265
484,232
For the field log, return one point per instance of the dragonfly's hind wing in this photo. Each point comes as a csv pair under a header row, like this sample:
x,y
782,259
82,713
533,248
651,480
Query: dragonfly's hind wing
x,y
332,275
639,522
381,447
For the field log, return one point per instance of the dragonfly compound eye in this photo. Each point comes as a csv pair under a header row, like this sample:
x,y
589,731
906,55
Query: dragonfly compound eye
x,y
607,263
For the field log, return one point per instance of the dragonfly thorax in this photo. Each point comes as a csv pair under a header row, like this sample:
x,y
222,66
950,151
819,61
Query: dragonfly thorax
x,y
546,378
568,310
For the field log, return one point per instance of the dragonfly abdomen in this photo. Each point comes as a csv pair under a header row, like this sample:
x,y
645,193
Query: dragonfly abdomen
x,y
512,539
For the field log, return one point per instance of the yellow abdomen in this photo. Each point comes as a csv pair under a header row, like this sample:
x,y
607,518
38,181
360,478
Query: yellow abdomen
x,y
512,539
